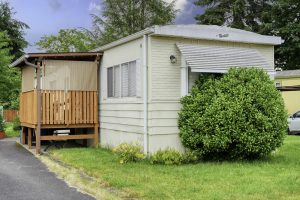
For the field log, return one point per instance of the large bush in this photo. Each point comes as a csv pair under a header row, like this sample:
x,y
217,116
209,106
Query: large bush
x,y
238,116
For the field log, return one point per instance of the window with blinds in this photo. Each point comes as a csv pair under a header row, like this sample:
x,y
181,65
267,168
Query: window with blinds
x,y
121,80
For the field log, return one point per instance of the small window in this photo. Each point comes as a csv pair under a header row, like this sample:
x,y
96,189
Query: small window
x,y
278,84
121,80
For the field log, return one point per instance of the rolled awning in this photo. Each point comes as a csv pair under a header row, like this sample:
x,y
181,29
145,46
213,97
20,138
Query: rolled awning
x,y
218,59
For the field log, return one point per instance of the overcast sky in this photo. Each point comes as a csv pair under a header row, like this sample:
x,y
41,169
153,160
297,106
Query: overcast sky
x,y
47,17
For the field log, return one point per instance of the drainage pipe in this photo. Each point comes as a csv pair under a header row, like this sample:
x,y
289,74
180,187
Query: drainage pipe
x,y
145,96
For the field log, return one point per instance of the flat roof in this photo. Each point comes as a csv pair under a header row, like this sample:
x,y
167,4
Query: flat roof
x,y
82,56
201,32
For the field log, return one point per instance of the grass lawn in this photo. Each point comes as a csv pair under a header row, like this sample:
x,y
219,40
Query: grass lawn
x,y
277,177
9,131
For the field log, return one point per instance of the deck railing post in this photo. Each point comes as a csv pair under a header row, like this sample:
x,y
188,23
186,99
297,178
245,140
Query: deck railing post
x,y
38,134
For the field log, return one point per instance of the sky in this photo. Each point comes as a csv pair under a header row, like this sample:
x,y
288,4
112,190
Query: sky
x,y
47,17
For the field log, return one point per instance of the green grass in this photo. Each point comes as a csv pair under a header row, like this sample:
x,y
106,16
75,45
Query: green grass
x,y
9,131
277,177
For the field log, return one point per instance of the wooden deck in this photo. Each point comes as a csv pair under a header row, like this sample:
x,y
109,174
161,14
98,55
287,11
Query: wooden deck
x,y
59,109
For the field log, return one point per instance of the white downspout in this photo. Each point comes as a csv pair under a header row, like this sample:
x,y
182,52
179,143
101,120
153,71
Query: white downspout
x,y
184,77
145,96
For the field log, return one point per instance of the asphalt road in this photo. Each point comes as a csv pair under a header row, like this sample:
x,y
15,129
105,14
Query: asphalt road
x,y
24,177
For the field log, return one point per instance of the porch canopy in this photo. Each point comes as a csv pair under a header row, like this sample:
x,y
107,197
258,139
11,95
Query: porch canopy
x,y
218,59
76,71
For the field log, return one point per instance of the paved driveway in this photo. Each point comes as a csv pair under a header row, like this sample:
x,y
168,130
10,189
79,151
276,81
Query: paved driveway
x,y
23,177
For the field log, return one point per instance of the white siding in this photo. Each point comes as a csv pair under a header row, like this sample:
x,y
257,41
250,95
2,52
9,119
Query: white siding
x,y
164,87
121,119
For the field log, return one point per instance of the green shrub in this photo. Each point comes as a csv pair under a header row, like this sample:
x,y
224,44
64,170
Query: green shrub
x,y
238,116
16,124
2,125
172,157
129,152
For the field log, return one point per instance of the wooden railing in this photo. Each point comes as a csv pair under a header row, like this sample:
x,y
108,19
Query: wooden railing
x,y
60,107
28,107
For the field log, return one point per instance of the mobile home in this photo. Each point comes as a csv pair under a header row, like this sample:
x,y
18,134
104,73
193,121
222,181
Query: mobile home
x,y
143,76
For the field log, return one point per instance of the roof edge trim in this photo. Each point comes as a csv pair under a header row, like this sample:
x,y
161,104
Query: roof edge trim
x,y
125,39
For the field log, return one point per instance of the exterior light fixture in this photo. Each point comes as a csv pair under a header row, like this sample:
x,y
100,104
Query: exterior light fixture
x,y
173,59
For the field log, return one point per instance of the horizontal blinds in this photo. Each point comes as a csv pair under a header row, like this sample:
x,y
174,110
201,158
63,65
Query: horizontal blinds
x,y
117,81
125,80
132,79
202,58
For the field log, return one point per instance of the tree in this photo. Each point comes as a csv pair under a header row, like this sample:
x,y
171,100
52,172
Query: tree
x,y
238,116
67,40
9,78
121,18
285,22
241,14
14,29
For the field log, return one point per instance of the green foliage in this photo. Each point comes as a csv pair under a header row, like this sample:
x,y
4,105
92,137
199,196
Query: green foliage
x,y
285,22
10,132
16,124
129,152
5,57
67,40
172,157
205,180
10,77
120,18
238,116
241,14
14,29
2,125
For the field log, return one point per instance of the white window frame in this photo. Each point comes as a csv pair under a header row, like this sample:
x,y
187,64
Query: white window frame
x,y
120,82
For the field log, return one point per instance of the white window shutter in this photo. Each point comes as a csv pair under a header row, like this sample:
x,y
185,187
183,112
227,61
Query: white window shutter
x,y
139,79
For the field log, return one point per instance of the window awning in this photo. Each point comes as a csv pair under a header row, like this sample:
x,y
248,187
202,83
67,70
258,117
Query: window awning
x,y
218,59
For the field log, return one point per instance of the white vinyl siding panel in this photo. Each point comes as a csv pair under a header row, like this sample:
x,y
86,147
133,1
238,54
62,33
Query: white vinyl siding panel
x,y
121,119
165,82
165,77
